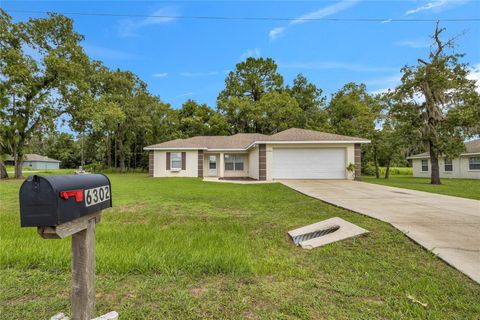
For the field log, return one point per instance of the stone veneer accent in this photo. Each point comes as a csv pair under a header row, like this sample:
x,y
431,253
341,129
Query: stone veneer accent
x,y
150,163
262,162
358,162
200,163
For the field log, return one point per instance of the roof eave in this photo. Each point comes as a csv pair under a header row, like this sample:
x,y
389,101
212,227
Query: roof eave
x,y
428,156
173,148
308,142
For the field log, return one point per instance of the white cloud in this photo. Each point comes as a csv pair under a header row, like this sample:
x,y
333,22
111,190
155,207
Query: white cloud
x,y
436,5
160,75
383,84
160,16
198,74
130,27
324,12
414,43
102,53
251,53
275,32
474,74
335,65
321,13
186,94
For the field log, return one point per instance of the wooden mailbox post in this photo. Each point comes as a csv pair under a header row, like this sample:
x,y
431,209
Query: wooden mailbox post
x,y
82,231
70,205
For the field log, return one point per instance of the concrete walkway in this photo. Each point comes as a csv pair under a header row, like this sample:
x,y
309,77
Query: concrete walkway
x,y
448,226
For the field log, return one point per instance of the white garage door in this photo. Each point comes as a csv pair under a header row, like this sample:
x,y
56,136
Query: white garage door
x,y
327,163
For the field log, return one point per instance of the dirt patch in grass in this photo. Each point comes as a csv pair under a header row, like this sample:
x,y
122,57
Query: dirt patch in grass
x,y
131,207
197,291
372,300
23,299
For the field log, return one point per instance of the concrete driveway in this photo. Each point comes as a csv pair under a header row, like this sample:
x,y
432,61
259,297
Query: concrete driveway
x,y
448,226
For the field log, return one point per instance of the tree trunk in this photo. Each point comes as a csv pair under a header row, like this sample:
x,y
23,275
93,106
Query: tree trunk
x,y
18,167
435,176
3,171
375,161
17,160
121,155
109,151
82,156
387,170
115,152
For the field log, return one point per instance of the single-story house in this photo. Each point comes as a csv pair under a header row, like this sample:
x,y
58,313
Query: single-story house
x,y
35,161
290,154
466,166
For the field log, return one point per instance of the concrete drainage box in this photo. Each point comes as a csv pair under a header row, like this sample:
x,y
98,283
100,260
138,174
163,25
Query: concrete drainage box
x,y
324,232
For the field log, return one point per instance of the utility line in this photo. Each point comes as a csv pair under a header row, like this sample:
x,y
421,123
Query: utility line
x,y
226,18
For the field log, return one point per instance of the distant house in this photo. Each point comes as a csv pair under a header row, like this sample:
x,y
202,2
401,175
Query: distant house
x,y
466,166
35,161
290,154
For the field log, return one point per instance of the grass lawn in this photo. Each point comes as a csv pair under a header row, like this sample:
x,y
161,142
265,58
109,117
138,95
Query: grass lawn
x,y
466,188
187,249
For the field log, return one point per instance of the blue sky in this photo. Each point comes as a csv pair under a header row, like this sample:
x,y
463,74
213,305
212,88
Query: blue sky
x,y
184,59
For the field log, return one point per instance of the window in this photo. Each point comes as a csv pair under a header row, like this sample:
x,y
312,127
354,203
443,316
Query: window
x,y
424,165
234,162
474,163
448,165
176,160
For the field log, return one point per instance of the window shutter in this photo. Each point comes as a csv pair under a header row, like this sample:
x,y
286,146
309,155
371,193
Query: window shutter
x,y
168,160
184,158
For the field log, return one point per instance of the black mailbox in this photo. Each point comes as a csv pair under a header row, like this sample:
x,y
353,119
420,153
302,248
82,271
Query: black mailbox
x,y
47,201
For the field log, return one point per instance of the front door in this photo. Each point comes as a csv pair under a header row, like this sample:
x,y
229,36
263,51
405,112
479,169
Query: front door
x,y
212,166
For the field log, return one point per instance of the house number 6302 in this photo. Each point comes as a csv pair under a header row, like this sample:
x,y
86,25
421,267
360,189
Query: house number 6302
x,y
96,195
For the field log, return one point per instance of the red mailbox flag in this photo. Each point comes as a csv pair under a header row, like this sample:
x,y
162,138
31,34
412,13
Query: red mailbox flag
x,y
78,194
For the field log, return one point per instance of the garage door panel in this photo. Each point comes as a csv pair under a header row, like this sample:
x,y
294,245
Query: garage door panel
x,y
326,163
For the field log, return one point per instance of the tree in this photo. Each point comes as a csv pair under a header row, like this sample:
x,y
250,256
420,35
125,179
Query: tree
x,y
442,94
42,61
63,147
239,113
244,88
276,112
199,119
353,111
312,102
252,78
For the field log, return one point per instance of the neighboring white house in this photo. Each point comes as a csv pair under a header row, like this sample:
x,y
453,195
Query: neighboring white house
x,y
290,154
35,161
466,166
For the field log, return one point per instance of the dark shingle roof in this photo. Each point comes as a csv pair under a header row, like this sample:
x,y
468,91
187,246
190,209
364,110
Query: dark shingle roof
x,y
470,147
243,140
34,157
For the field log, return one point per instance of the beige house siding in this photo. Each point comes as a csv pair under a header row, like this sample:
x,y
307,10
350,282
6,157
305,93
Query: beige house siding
x,y
160,164
358,161
460,169
221,172
150,163
253,164
235,173
251,161
349,150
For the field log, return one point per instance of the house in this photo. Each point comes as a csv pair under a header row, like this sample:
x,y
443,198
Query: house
x,y
290,154
466,166
35,161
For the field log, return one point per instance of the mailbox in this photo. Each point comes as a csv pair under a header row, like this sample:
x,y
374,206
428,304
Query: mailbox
x,y
52,200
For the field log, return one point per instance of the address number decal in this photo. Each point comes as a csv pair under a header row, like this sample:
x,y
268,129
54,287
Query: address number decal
x,y
96,195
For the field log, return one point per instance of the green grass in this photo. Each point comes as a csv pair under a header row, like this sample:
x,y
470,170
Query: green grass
x,y
465,188
187,249
396,171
